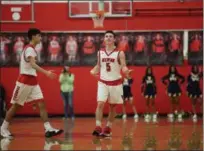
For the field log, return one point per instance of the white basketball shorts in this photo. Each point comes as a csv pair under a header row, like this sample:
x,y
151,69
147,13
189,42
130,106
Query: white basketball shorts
x,y
112,94
26,93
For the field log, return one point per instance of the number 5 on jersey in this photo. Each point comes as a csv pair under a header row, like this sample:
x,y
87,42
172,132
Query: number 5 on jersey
x,y
108,67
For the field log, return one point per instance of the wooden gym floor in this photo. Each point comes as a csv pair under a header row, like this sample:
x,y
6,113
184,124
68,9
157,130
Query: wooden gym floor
x,y
126,135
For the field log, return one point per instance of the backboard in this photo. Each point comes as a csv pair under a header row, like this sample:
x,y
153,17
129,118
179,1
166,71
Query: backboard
x,y
114,8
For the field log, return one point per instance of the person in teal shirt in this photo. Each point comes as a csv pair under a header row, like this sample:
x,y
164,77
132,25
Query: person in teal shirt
x,y
66,80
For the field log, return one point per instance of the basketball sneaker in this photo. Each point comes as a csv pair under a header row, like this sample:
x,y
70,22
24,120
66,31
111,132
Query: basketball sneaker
x,y
124,116
97,131
53,132
147,118
136,116
195,119
180,117
5,133
106,132
154,118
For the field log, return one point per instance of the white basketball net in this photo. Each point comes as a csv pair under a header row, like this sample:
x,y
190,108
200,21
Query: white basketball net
x,y
98,20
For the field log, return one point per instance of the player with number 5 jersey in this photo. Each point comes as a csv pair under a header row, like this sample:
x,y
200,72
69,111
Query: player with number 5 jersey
x,y
109,66
110,63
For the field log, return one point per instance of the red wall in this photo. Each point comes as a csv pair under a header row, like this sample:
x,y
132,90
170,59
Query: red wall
x,y
86,87
54,17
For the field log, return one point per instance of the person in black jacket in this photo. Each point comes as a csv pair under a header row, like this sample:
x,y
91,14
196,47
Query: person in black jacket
x,y
173,80
149,91
193,88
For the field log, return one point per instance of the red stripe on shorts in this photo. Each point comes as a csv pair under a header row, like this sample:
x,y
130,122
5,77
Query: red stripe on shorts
x,y
27,79
112,83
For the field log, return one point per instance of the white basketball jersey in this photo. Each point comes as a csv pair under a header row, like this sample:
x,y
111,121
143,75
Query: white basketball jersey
x,y
109,65
25,66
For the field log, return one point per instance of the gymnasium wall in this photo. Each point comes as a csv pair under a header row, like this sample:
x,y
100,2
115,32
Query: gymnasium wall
x,y
54,17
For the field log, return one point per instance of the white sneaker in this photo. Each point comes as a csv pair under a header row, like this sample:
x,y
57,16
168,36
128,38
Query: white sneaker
x,y
154,119
5,133
136,116
195,119
154,116
180,118
147,118
124,116
195,116
170,115
5,143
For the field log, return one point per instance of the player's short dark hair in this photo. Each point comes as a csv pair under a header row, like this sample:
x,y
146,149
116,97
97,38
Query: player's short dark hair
x,y
111,32
32,32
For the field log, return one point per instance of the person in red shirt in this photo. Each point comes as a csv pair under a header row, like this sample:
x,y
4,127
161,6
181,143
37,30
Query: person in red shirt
x,y
140,44
174,48
158,44
123,44
140,49
196,43
89,47
175,44
158,49
195,49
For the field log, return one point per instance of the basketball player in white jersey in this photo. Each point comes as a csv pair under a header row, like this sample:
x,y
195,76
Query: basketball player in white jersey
x,y
109,65
27,89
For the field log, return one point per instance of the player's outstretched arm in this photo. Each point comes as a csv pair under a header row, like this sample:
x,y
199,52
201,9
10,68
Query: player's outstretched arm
x,y
124,67
49,74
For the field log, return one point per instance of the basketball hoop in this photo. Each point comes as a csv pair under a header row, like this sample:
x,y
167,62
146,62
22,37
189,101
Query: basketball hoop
x,y
98,18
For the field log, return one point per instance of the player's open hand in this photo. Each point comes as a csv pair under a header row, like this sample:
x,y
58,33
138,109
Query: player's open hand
x,y
51,74
92,72
128,73
130,70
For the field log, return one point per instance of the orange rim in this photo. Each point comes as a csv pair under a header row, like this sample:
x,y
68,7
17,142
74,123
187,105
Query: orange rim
x,y
99,12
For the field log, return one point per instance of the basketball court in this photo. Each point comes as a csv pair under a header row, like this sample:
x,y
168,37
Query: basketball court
x,y
88,20
127,135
